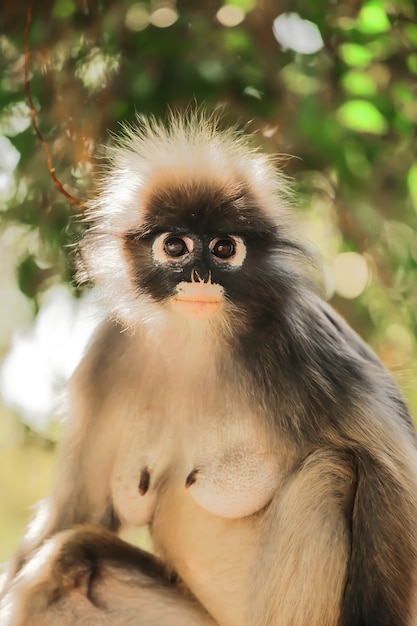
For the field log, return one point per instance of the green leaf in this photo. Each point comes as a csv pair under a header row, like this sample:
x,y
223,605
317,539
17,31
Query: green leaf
x,y
412,185
362,116
403,92
372,19
411,32
355,55
245,5
63,8
356,159
412,63
359,83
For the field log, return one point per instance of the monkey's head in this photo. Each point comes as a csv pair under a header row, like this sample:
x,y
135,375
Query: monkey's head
x,y
190,221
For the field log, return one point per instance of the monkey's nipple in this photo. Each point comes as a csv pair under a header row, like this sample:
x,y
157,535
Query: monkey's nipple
x,y
191,478
144,481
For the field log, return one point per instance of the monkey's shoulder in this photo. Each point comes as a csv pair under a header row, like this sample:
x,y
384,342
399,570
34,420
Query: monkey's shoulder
x,y
353,363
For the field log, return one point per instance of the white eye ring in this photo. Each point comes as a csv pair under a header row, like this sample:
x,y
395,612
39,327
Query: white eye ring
x,y
160,252
237,255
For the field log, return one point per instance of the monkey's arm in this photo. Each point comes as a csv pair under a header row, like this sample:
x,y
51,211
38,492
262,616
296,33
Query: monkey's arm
x,y
81,491
339,543
87,575
303,557
381,583
330,563
66,574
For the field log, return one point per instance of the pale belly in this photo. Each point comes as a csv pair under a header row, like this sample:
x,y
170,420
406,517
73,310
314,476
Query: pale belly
x,y
213,555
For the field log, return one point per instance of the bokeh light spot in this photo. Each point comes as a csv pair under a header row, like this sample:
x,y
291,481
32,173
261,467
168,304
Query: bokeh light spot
x,y
294,33
351,274
229,15
164,17
137,17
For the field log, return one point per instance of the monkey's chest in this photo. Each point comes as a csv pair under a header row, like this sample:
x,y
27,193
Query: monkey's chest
x,y
230,472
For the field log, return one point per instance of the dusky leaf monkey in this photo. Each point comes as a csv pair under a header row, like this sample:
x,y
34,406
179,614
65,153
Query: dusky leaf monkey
x,y
225,405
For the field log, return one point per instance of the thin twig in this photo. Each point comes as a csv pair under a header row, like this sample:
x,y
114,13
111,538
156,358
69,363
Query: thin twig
x,y
51,168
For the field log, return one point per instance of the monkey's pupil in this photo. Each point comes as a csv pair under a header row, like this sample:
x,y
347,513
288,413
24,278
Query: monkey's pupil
x,y
175,246
224,248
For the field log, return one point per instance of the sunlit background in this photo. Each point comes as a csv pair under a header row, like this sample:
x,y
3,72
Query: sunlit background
x,y
331,85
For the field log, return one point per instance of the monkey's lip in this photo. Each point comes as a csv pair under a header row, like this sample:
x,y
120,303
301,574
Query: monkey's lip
x,y
197,308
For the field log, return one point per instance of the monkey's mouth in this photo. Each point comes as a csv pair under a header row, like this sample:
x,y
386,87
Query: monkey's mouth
x,y
198,300
193,308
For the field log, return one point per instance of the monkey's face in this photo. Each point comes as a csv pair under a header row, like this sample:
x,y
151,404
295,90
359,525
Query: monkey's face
x,y
191,259
192,222
200,249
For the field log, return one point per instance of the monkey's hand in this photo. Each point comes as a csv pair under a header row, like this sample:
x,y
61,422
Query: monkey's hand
x,y
89,576
58,571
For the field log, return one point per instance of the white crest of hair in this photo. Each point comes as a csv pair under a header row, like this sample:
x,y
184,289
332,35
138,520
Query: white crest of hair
x,y
189,147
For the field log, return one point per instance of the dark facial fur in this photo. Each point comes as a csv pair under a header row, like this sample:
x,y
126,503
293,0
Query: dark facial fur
x,y
203,212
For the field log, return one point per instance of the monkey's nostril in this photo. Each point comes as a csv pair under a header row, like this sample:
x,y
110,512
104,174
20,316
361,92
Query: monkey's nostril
x,y
200,276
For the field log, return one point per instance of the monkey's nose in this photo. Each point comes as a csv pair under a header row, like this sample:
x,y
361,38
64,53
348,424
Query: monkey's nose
x,y
200,276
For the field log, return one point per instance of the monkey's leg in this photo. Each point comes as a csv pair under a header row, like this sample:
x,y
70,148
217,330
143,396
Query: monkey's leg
x,y
89,576
301,569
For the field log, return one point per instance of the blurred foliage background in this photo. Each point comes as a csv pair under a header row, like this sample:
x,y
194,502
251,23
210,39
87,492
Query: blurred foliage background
x,y
333,83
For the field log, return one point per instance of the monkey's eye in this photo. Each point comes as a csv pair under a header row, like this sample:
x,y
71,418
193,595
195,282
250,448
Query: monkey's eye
x,y
230,251
175,247
172,248
223,248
